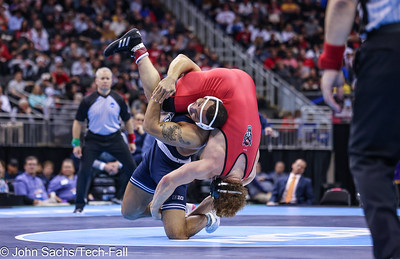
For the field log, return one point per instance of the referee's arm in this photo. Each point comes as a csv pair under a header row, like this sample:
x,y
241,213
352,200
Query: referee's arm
x,y
129,128
76,134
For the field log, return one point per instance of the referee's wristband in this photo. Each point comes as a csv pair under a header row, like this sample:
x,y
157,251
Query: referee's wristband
x,y
76,142
131,138
331,57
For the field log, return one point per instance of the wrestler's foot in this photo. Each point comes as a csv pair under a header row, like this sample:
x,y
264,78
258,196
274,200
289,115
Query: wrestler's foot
x,y
130,41
212,221
189,208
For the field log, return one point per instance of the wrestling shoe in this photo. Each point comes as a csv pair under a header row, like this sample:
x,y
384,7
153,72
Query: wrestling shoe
x,y
212,221
78,211
130,41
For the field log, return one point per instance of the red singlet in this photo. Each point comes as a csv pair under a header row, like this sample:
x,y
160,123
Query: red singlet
x,y
242,129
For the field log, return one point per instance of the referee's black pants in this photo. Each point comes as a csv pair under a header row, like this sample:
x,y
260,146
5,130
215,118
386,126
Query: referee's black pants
x,y
374,146
95,145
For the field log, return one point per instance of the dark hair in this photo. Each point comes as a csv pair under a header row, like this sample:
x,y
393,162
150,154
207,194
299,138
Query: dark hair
x,y
228,204
221,116
31,158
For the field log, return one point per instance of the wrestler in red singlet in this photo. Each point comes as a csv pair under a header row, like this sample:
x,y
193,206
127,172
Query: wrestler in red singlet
x,y
236,89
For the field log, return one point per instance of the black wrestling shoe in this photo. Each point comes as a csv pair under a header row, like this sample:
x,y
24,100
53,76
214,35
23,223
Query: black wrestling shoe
x,y
131,41
78,211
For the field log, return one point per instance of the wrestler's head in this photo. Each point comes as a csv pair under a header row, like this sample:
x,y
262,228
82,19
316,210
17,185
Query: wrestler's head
x,y
228,196
208,112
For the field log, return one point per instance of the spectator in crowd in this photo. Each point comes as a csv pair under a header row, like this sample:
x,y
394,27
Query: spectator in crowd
x,y
36,99
5,56
245,9
73,51
5,105
47,172
39,36
293,189
16,87
16,20
140,135
46,84
109,164
3,183
92,34
107,35
225,18
264,182
25,110
287,130
279,171
257,191
282,70
82,68
41,67
59,77
266,128
271,61
57,44
12,170
80,23
64,184
29,185
119,25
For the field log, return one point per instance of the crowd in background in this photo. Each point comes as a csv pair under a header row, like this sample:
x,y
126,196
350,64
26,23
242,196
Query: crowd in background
x,y
286,36
50,50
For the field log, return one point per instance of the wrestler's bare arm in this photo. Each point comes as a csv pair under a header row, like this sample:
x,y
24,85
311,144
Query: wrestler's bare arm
x,y
181,134
166,88
210,165
201,169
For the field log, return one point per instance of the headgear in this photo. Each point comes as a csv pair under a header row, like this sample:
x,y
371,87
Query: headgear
x,y
201,124
217,187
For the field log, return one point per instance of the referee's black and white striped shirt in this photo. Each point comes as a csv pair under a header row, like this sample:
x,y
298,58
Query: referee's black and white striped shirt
x,y
103,112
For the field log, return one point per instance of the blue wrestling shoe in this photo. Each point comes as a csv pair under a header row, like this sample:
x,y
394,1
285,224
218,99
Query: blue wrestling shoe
x,y
130,41
213,221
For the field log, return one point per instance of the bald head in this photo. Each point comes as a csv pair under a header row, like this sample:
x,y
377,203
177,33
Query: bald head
x,y
103,80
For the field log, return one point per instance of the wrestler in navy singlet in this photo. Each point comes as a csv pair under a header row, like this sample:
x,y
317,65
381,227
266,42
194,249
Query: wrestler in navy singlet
x,y
159,161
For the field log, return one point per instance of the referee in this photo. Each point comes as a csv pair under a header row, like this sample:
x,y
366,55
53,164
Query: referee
x,y
374,142
102,109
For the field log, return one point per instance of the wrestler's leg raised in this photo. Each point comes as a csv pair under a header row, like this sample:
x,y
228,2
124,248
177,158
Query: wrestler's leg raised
x,y
148,75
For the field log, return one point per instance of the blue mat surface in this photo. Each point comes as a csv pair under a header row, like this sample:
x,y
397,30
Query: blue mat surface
x,y
257,231
115,210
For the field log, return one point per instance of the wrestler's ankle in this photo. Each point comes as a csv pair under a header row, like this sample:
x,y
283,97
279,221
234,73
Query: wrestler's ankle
x,y
139,52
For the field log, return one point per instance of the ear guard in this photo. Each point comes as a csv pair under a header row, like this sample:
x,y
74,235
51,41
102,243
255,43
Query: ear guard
x,y
217,186
201,124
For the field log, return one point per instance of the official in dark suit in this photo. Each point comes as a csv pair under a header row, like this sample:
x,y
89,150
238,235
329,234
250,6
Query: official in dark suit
x,y
294,188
